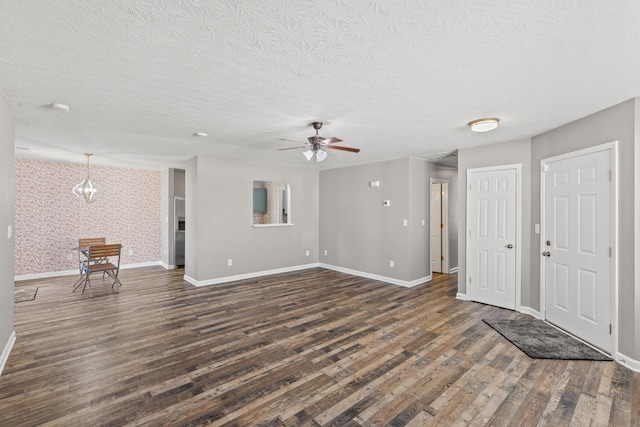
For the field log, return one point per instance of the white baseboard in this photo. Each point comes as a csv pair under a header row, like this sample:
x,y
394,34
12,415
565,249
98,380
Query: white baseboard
x,y
530,311
628,362
453,270
75,271
167,266
391,280
7,349
462,297
219,280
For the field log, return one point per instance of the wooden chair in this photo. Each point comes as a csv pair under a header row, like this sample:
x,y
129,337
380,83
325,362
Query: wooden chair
x,y
83,245
96,256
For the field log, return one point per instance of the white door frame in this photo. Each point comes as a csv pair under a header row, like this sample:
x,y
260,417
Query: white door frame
x,y
518,242
445,220
613,146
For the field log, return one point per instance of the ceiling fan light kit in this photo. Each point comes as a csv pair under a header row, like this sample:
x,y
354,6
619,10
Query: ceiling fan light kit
x,y
316,145
484,125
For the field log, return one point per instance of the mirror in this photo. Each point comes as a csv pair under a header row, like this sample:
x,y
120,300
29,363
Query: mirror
x,y
271,203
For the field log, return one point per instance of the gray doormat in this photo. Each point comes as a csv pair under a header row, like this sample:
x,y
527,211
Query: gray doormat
x,y
542,341
24,294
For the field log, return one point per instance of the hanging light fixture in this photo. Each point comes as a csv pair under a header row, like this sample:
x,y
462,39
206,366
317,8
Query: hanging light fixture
x,y
87,190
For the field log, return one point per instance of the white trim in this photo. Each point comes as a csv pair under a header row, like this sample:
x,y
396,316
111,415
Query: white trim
x,y
613,147
226,279
167,266
518,243
219,280
75,271
4,356
453,270
530,311
628,362
462,297
391,280
273,225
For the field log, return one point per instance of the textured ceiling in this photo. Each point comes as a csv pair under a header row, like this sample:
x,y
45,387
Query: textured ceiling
x,y
393,78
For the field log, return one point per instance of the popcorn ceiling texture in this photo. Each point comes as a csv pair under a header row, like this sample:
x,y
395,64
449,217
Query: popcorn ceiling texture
x,y
49,219
394,78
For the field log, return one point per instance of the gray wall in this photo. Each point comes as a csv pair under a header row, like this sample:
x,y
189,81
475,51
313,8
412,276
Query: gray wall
x,y
360,234
219,214
6,221
505,153
617,123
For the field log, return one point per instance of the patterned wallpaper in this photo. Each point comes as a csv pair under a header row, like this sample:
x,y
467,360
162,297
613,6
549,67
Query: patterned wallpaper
x,y
49,219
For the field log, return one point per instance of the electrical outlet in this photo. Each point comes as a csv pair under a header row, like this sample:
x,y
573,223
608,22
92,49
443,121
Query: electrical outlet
x,y
229,262
130,251
325,252
424,222
307,253
405,222
391,264
70,257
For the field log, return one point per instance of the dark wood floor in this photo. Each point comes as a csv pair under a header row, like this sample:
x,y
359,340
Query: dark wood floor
x,y
310,348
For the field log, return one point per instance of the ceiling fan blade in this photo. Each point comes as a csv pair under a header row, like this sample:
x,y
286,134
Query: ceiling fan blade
x,y
331,140
292,148
290,140
338,147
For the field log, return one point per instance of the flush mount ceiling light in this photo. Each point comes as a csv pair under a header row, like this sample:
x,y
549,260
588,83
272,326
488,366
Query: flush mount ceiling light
x,y
200,134
484,125
87,190
60,107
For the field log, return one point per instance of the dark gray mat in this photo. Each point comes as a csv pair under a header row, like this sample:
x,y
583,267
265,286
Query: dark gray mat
x,y
542,341
24,294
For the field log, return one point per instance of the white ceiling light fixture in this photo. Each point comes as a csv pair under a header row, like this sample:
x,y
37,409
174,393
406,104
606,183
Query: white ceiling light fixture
x,y
484,125
87,190
201,134
60,107
320,155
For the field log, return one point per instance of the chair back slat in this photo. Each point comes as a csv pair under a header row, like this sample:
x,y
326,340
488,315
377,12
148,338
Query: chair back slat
x,y
84,243
104,251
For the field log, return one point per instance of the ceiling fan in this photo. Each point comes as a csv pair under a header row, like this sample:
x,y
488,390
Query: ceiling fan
x,y
317,144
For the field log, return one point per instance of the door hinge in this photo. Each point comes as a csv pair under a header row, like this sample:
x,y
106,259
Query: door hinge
x,y
441,258
610,251
469,186
610,329
469,279
441,225
610,175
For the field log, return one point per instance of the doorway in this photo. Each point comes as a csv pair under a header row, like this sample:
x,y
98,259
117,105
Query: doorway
x,y
439,225
493,235
578,221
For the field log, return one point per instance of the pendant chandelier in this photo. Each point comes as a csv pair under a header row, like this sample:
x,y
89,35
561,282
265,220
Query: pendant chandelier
x,y
87,190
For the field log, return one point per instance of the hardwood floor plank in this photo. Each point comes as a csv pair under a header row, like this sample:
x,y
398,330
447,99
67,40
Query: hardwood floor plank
x,y
308,348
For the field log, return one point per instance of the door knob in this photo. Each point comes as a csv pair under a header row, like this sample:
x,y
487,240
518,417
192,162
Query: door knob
x,y
510,246
546,253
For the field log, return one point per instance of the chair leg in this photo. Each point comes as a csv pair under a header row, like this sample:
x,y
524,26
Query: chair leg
x,y
88,282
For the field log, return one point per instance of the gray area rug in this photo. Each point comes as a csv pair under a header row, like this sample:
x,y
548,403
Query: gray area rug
x,y
24,294
542,341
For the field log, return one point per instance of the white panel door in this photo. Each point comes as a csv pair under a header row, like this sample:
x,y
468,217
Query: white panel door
x,y
576,245
491,258
436,227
